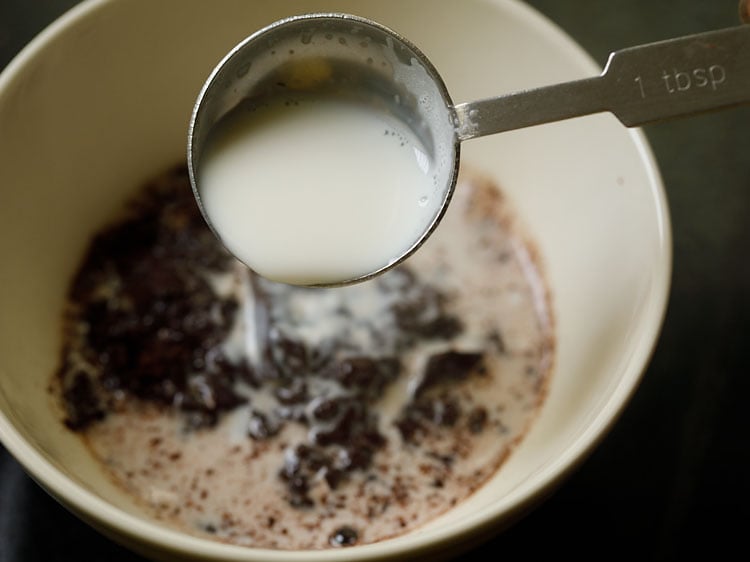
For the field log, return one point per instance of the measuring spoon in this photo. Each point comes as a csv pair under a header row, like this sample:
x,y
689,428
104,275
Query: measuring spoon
x,y
335,56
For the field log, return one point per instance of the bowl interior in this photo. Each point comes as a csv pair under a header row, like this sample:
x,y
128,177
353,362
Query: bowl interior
x,y
100,102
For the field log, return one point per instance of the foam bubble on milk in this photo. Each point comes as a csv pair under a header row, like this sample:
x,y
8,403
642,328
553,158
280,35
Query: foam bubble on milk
x,y
311,189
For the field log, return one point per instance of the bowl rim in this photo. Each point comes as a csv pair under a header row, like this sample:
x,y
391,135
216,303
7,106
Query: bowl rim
x,y
134,530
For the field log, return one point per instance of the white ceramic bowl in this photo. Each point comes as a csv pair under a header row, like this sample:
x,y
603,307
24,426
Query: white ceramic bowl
x,y
100,101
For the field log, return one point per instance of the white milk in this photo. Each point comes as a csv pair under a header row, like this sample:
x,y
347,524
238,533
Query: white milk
x,y
311,190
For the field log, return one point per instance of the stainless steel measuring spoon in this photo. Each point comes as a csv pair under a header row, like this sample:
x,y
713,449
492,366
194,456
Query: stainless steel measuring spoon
x,y
335,54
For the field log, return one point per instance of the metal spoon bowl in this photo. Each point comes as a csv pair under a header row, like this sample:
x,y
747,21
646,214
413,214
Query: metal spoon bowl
x,y
335,55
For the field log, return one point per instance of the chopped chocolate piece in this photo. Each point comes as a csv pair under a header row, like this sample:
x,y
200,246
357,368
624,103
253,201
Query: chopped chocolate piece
x,y
451,366
209,528
313,459
333,477
409,426
477,420
443,410
415,420
344,536
298,489
365,376
200,419
293,392
353,458
288,356
340,431
152,320
262,427
300,465
425,318
446,460
326,409
433,404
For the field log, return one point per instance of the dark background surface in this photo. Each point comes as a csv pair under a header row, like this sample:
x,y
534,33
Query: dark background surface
x,y
670,481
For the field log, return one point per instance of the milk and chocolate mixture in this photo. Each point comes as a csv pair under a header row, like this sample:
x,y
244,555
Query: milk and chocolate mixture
x,y
274,416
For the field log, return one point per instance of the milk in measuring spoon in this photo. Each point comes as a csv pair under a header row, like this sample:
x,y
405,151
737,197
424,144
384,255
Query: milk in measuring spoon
x,y
312,190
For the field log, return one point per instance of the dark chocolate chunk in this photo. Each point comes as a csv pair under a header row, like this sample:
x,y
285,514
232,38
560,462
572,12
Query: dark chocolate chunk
x,y
300,465
356,457
344,536
288,357
409,426
342,428
448,367
326,409
292,392
333,477
261,426
443,410
477,420
152,319
364,376
424,317
298,488
425,412
433,404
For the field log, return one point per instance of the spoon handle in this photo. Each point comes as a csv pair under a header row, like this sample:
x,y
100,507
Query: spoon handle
x,y
639,85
